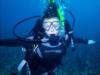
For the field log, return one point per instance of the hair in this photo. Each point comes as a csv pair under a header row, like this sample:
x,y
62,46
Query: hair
x,y
51,12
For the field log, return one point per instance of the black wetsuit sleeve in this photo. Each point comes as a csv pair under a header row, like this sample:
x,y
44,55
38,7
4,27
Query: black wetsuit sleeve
x,y
17,43
80,40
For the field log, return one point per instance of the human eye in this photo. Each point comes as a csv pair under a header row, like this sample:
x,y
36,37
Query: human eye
x,y
46,25
56,24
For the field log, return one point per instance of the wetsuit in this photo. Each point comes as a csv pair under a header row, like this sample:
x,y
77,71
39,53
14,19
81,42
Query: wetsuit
x,y
48,55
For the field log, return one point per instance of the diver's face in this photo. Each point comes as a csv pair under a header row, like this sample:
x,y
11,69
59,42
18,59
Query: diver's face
x,y
51,26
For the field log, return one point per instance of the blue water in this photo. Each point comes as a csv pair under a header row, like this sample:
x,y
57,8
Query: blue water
x,y
85,59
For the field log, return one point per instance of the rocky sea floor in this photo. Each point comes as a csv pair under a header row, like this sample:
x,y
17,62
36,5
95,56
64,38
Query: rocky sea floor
x,y
74,63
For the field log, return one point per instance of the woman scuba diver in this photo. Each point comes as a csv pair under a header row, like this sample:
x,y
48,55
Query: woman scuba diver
x,y
48,44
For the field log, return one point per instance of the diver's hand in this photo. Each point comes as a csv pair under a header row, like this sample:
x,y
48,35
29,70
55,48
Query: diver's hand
x,y
91,42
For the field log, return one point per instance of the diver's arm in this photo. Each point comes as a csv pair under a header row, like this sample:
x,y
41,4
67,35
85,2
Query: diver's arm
x,y
83,41
17,42
9,42
70,33
80,40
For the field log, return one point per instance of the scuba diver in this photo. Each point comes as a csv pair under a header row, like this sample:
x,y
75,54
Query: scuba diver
x,y
47,44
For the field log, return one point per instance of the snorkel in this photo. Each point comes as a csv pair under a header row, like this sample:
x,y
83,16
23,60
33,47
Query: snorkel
x,y
60,14
51,1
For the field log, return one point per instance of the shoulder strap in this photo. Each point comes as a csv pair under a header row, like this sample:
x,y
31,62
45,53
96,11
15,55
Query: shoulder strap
x,y
38,31
68,28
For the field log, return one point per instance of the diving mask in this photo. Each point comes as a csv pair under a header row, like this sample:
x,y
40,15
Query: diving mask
x,y
51,26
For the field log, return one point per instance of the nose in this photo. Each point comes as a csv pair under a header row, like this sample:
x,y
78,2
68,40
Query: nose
x,y
52,29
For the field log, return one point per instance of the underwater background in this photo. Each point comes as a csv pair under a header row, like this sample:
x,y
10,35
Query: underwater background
x,y
85,60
